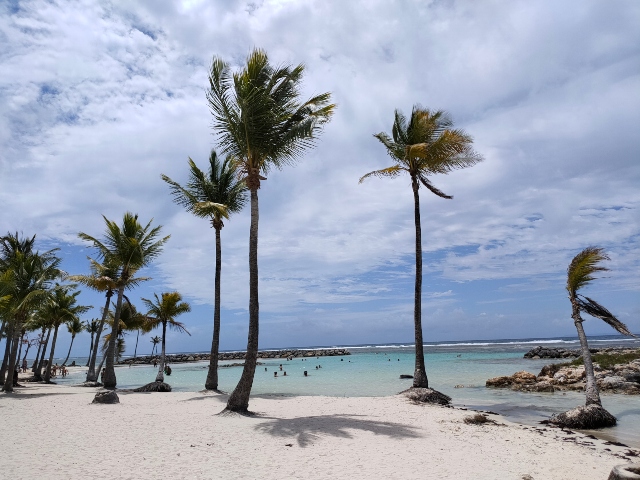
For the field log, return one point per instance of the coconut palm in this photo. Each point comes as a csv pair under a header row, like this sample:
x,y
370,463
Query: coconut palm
x,y
155,340
162,311
74,327
130,247
91,326
261,122
214,196
422,146
61,307
581,273
103,278
25,279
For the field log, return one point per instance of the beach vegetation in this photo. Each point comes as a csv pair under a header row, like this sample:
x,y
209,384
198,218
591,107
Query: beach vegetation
x,y
581,273
162,311
261,122
74,327
213,195
609,360
128,247
421,146
26,279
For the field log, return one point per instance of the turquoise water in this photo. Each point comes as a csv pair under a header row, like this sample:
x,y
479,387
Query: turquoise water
x,y
375,371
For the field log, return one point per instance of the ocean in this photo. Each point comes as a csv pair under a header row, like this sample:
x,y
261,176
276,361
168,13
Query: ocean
x,y
458,369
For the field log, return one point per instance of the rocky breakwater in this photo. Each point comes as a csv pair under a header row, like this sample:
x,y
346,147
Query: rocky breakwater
x,y
265,354
614,378
545,352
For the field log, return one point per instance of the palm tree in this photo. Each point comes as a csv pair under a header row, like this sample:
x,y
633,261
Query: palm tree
x,y
25,278
163,311
424,145
91,326
261,122
60,308
155,340
74,327
214,196
103,278
130,247
581,273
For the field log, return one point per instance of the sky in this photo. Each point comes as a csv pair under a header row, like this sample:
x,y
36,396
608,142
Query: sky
x,y
98,99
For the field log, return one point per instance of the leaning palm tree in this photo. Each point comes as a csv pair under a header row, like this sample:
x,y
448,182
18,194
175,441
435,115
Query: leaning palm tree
x,y
214,196
155,340
581,273
162,311
91,326
422,146
261,122
130,247
103,278
74,327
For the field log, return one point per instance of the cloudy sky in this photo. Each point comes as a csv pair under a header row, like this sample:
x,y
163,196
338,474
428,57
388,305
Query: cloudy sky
x,y
98,99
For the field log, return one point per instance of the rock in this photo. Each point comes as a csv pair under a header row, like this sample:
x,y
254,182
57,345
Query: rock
x,y
190,359
610,383
589,417
499,382
91,384
406,376
625,472
427,395
107,397
537,387
523,377
154,387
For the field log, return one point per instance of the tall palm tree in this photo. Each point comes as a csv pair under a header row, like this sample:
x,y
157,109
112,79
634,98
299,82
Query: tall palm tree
x,y
214,196
74,327
163,311
103,278
580,273
422,146
25,279
91,326
130,247
155,340
61,307
261,122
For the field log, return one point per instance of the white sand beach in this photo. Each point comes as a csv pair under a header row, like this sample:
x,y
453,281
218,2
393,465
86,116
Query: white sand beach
x,y
55,432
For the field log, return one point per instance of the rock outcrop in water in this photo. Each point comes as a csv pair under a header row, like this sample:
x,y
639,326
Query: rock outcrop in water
x,y
545,352
619,378
266,354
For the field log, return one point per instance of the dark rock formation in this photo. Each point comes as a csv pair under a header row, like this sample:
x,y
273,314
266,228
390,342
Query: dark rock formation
x,y
107,396
90,384
625,472
591,416
154,387
265,354
406,376
544,352
427,395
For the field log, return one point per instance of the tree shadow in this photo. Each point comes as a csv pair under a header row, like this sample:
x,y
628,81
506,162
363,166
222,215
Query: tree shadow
x,y
308,429
30,396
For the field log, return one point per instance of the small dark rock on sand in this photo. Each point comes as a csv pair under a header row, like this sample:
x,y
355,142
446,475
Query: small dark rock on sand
x,y
107,397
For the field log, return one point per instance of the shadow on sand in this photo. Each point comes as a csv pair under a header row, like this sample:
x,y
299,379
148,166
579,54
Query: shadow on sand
x,y
307,429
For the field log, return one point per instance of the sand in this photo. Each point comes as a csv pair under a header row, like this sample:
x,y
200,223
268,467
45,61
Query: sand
x,y
54,432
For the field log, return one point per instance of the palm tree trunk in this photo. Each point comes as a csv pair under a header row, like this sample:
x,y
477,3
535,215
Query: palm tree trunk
x,y
92,374
69,352
212,375
11,364
7,353
90,350
38,373
135,351
160,376
110,373
591,388
35,362
47,372
20,349
101,363
239,398
26,352
419,374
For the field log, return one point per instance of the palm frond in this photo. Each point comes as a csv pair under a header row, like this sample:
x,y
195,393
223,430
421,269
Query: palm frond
x,y
594,309
392,172
582,268
425,181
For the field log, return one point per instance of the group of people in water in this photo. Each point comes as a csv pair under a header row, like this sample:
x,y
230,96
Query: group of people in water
x,y
284,373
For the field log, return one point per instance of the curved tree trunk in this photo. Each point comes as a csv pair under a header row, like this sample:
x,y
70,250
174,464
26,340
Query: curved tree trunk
x,y
7,353
110,373
135,351
69,352
40,342
212,376
160,376
590,388
239,398
26,352
47,372
38,373
92,374
419,374
90,349
20,349
11,364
